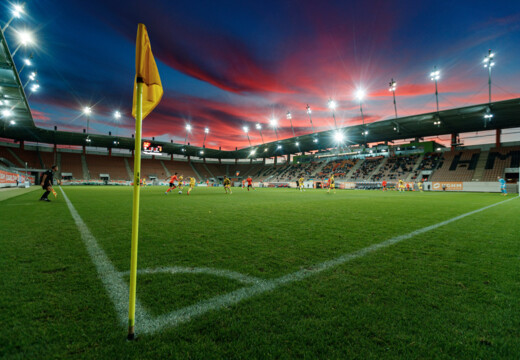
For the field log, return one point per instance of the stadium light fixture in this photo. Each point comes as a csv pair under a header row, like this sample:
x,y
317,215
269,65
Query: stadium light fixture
x,y
117,115
259,128
17,11
7,113
360,95
308,108
274,124
188,129
487,116
87,110
315,140
489,62
265,150
252,152
12,122
24,38
289,117
392,86
338,137
206,132
26,62
297,143
332,106
279,147
246,130
435,75
202,152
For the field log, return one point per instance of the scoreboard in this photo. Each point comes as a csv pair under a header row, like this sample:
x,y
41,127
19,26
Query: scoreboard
x,y
151,148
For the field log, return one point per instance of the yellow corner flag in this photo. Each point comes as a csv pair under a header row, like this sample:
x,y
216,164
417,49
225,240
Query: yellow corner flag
x,y
147,94
147,73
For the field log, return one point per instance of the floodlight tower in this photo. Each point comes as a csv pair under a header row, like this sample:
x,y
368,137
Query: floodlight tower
x,y
17,11
435,75
188,129
332,106
259,128
392,86
32,77
289,117
26,62
206,132
360,94
25,38
274,124
489,62
87,110
308,108
117,116
246,130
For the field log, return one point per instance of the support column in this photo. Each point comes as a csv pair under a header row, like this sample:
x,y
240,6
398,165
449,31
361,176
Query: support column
x,y
171,157
219,160
84,149
498,138
22,145
263,161
453,141
236,161
189,159
276,160
109,152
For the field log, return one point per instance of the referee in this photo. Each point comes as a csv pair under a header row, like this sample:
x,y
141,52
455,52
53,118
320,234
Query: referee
x,y
46,182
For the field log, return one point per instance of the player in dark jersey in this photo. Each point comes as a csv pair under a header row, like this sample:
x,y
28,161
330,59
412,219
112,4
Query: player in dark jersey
x,y
47,181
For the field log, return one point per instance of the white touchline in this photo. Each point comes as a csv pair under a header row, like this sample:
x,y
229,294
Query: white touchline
x,y
116,287
118,290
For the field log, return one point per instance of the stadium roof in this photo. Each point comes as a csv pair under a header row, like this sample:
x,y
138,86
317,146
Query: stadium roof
x,y
12,95
506,114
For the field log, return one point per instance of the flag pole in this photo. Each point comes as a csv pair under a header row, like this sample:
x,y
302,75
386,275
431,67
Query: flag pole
x,y
135,210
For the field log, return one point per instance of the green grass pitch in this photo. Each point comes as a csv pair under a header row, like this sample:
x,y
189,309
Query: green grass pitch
x,y
450,292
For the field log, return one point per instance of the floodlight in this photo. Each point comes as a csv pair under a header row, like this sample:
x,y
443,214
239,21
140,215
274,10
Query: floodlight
x,y
289,116
12,122
360,94
246,129
279,147
17,10
435,75
25,37
27,62
273,122
338,136
87,110
332,104
315,140
7,112
297,143
392,85
265,149
308,109
117,115
206,130
188,127
202,152
258,127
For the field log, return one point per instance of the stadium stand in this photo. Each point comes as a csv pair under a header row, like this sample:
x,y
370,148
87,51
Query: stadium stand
x,y
7,154
368,166
203,172
180,167
112,165
152,167
395,168
71,163
48,159
457,165
498,160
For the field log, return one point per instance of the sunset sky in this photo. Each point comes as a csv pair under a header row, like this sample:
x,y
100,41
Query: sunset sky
x,y
229,64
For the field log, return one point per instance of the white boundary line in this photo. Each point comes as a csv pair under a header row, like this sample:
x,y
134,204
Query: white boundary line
x,y
118,289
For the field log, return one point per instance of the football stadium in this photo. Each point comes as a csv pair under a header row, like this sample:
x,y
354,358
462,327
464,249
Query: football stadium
x,y
203,181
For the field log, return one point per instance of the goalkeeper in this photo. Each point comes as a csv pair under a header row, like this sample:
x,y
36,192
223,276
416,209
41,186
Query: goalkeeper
x,y
47,181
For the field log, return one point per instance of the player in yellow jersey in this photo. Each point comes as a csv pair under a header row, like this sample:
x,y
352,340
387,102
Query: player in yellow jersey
x,y
227,184
192,184
300,183
401,185
331,184
181,185
420,185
